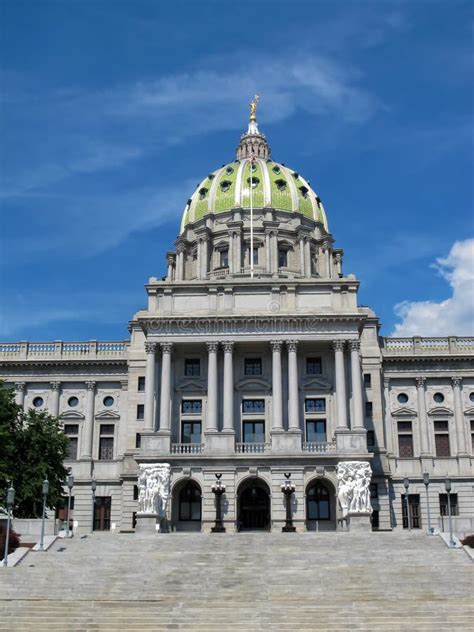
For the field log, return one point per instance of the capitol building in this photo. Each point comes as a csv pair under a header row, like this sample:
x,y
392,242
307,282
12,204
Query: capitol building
x,y
253,359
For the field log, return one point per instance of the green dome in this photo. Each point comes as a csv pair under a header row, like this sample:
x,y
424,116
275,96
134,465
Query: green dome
x,y
274,186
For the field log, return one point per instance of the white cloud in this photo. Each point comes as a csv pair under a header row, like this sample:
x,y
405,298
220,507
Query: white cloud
x,y
453,316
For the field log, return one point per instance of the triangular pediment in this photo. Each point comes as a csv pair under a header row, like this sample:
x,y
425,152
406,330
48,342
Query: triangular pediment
x,y
107,414
440,410
71,414
317,383
469,411
191,384
253,384
404,411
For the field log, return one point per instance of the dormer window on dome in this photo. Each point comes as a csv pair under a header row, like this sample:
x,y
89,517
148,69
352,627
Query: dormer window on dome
x,y
229,170
203,192
304,191
225,185
253,181
276,169
280,184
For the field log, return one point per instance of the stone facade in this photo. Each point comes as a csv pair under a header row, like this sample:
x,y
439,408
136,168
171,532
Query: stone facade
x,y
253,366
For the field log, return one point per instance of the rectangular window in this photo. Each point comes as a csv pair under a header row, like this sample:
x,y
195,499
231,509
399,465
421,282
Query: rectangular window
x,y
191,406
368,409
405,445
414,509
282,258
102,511
313,366
443,504
370,438
254,431
367,380
252,406
442,445
191,432
316,431
192,367
141,411
404,426
106,442
255,256
253,366
72,433
224,258
441,426
141,383
138,439
315,405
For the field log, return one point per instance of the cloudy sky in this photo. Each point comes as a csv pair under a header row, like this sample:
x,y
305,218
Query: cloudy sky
x,y
112,111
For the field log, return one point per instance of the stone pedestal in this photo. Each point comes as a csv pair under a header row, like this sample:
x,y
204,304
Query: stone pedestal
x,y
156,441
146,523
286,442
359,522
222,442
351,441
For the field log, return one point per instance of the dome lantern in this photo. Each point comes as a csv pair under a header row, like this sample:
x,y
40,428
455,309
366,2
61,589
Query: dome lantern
x,y
253,142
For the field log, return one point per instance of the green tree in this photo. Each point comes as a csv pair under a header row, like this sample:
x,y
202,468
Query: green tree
x,y
35,448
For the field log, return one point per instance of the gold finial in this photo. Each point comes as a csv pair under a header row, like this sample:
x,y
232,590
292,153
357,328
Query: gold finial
x,y
253,108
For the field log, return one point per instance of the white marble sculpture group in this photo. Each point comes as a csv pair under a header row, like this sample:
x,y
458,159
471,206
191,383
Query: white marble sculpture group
x,y
354,487
153,488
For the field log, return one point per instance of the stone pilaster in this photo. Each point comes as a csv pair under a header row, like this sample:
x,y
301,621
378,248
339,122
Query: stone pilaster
x,y
88,434
458,417
357,406
20,388
422,418
55,389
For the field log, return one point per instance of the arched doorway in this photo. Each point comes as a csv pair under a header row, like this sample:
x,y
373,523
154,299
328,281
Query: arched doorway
x,y
187,506
320,506
253,498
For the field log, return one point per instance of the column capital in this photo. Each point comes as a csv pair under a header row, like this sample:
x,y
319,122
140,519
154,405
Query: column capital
x,y
150,347
166,347
90,386
354,345
292,345
228,346
180,247
276,345
55,386
420,382
456,381
212,346
338,345
20,386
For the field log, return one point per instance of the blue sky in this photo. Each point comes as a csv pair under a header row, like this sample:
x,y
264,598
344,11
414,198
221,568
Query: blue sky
x,y
112,111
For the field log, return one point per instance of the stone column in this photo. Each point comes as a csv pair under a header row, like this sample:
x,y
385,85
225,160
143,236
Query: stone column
x,y
20,393
238,251
150,348
302,265
390,440
180,266
204,257
307,257
342,422
327,261
228,410
170,259
55,388
199,260
422,419
88,436
275,252
358,420
231,253
277,399
268,253
211,421
293,407
165,394
458,416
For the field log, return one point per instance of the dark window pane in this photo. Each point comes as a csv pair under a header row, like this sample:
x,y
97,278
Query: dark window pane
x,y
107,429
253,405
404,425
254,431
106,449
282,259
190,502
442,445
192,367
71,429
313,366
141,383
405,445
316,430
374,491
368,409
191,406
191,432
224,258
443,504
253,366
102,510
140,411
72,449
317,503
367,380
414,508
316,405
441,425
370,438
138,439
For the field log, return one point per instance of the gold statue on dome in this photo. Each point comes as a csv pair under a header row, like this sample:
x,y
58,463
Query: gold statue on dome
x,y
253,108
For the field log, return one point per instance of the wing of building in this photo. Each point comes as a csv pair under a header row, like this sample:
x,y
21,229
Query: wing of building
x,y
254,359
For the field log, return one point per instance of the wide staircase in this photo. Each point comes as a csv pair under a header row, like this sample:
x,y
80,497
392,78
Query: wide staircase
x,y
241,582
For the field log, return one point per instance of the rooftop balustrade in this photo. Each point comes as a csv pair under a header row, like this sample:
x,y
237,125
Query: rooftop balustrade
x,y
429,346
90,350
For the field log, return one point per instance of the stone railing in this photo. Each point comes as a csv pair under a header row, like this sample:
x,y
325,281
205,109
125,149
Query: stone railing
x,y
90,350
321,447
421,346
252,448
186,448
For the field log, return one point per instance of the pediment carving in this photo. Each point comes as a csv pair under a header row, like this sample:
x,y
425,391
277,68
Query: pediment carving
x,y
71,414
191,385
253,384
107,414
404,411
318,383
469,411
440,410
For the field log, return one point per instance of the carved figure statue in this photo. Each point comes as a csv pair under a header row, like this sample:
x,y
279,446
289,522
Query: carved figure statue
x,y
253,107
353,487
153,488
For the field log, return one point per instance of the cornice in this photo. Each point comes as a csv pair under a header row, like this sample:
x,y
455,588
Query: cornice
x,y
48,363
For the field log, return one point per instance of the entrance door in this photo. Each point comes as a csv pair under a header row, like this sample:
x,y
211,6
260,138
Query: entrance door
x,y
102,509
414,508
254,508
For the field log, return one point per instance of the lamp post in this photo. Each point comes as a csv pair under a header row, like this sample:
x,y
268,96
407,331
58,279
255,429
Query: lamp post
x,y
93,488
288,490
447,484
426,481
70,485
45,495
10,502
218,489
406,485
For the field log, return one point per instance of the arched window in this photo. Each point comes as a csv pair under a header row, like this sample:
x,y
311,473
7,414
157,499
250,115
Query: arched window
x,y
190,502
317,503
